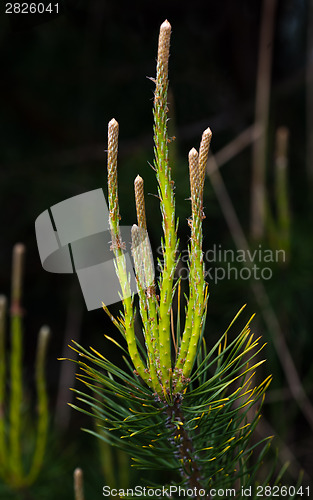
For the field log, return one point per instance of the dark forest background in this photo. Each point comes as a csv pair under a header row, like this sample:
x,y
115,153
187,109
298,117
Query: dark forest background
x,y
63,77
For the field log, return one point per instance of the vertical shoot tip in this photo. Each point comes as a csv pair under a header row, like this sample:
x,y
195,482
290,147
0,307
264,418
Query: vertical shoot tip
x,y
194,176
140,202
43,338
164,46
79,484
203,158
113,129
17,276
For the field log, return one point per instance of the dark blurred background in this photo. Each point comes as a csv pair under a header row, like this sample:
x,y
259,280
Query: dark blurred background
x,y
63,77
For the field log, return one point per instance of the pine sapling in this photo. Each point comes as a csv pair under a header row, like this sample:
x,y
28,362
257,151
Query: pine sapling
x,y
178,405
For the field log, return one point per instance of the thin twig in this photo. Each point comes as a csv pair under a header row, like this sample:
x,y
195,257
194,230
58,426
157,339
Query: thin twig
x,y
262,101
79,484
233,148
67,371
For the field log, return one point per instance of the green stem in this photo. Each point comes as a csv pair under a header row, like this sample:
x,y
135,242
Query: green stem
x,y
43,412
3,448
197,299
117,247
167,204
15,458
144,280
79,484
16,398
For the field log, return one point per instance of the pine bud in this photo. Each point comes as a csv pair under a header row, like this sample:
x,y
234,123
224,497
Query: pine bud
x,y
194,177
164,46
140,202
203,158
112,170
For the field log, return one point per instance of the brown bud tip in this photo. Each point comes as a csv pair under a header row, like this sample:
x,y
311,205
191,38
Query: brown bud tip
x,y
138,181
42,343
78,473
164,45
204,146
207,133
136,234
44,333
203,157
113,124
19,249
193,154
193,173
17,275
166,26
134,230
78,484
140,202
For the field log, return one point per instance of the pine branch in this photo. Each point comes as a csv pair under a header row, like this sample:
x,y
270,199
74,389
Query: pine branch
x,y
118,247
189,412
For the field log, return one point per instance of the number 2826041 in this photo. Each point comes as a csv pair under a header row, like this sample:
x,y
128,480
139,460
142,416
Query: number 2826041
x,y
31,8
